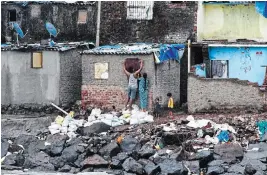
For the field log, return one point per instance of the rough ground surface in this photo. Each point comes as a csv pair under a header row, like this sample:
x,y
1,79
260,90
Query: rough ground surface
x,y
181,150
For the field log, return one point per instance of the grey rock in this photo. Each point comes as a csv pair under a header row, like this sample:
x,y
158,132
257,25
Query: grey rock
x,y
57,142
4,147
115,163
57,162
65,168
78,162
171,166
10,167
90,169
264,137
262,146
152,169
146,151
95,128
229,152
130,144
144,162
74,141
216,162
215,170
193,166
130,165
14,159
94,161
122,156
257,164
238,169
70,154
249,170
256,154
178,154
25,140
111,149
159,159
39,161
74,170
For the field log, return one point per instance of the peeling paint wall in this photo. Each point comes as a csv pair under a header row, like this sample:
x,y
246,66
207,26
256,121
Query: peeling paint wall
x,y
63,16
222,22
244,62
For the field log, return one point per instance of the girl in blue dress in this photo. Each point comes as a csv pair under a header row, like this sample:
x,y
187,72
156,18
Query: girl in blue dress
x,y
143,91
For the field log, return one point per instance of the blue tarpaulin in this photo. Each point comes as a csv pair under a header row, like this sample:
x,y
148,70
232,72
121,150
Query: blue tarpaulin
x,y
171,52
261,7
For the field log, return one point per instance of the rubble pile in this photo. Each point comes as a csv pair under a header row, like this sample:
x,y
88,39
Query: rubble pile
x,y
183,146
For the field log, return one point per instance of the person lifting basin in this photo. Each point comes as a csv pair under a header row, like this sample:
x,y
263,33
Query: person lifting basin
x,y
132,84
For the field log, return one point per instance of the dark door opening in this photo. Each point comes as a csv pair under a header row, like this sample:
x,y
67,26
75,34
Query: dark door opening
x,y
12,15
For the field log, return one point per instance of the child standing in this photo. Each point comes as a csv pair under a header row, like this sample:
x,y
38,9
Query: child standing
x,y
170,105
157,108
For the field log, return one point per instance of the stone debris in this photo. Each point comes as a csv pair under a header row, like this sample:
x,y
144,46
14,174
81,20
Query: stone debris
x,y
182,146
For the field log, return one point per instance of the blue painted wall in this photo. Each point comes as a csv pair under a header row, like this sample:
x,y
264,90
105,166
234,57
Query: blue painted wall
x,y
244,62
200,71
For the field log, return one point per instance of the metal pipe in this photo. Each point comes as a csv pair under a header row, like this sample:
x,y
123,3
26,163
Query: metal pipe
x,y
189,55
59,108
98,23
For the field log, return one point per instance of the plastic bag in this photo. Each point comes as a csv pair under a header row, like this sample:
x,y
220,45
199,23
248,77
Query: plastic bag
x,y
54,131
96,112
64,129
54,126
223,136
67,119
59,120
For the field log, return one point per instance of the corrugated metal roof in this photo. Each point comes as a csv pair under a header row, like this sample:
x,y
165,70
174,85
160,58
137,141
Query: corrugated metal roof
x,y
25,3
38,47
124,49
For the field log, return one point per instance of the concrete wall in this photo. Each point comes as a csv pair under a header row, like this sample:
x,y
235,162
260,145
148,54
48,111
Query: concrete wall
x,y
171,23
70,76
167,79
205,94
230,22
162,78
245,63
64,16
23,84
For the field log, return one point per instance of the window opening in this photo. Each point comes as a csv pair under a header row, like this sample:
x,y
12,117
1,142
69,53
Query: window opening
x,y
82,16
37,60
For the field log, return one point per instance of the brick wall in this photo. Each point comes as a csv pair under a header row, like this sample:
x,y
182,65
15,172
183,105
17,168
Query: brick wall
x,y
112,91
162,78
70,76
171,23
167,79
222,94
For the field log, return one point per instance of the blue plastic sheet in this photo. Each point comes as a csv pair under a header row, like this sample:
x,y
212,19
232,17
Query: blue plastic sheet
x,y
51,29
223,136
261,7
262,127
171,52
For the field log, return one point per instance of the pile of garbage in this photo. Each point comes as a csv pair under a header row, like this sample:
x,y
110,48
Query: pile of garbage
x,y
105,144
69,125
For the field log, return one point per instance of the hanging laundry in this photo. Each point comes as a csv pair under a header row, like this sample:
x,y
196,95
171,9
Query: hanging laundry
x,y
217,68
